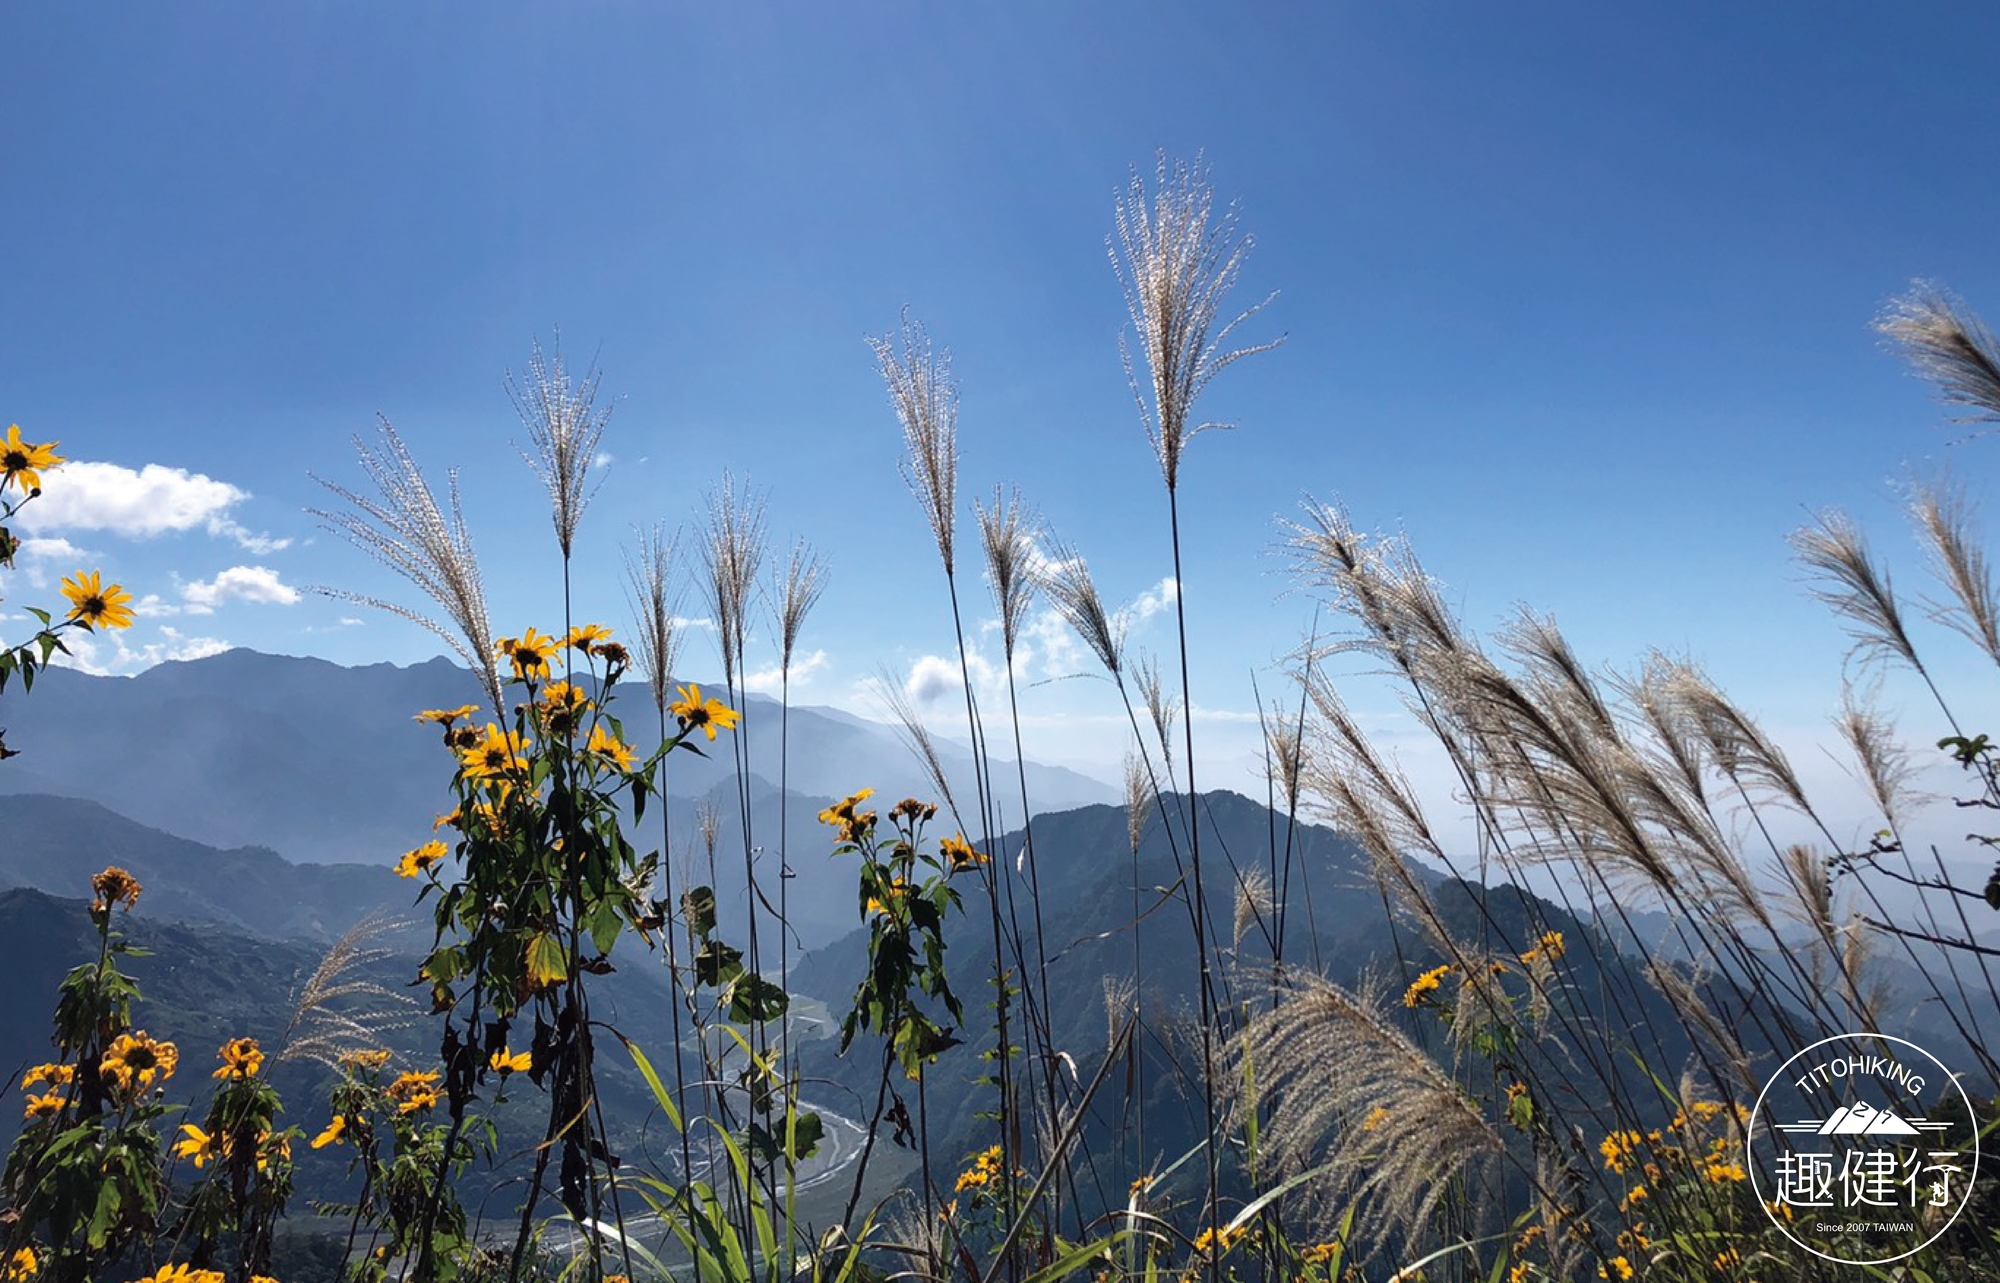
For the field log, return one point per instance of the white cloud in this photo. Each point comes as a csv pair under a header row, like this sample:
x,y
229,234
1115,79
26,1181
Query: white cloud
x,y
1154,600
239,583
107,654
154,500
45,549
770,681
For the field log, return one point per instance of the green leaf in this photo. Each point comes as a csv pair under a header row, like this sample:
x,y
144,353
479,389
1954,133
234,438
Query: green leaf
x,y
753,1000
699,906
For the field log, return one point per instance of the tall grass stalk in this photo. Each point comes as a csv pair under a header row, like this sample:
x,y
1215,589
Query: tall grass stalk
x,y
1177,267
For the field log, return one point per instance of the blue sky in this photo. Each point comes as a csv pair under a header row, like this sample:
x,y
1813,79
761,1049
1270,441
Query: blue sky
x,y
1577,296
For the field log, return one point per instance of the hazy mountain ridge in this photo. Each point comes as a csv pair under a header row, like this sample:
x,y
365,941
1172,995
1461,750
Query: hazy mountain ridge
x,y
321,762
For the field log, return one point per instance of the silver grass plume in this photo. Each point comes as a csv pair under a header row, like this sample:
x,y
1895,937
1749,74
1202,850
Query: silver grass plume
x,y
337,1012
1176,265
732,551
1673,743
1064,579
1010,558
1948,345
1138,798
1855,587
1162,705
1943,515
926,402
649,576
798,592
407,531
708,822
916,736
1255,903
1287,757
1699,1019
564,426
1349,1091
1739,745
1885,764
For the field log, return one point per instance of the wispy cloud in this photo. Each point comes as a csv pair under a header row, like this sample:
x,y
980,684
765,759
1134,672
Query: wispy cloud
x,y
154,500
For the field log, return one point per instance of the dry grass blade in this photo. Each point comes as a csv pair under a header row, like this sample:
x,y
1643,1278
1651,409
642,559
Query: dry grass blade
x,y
649,576
564,426
1010,558
338,1012
1855,588
1065,579
926,402
1346,1089
1958,559
408,532
1948,345
1176,265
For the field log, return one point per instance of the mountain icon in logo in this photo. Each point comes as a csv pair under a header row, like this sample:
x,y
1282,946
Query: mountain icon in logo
x,y
1863,1119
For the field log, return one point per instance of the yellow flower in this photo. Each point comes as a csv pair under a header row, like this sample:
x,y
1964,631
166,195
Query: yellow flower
x,y
21,462
93,602
961,853
1424,984
853,824
497,755
1224,1238
182,1274
113,887
1725,1259
447,716
368,1060
564,704
529,653
54,1075
134,1060
1618,1149
707,714
47,1105
586,636
415,1091
985,1167
604,742
1320,1253
416,863
1547,945
511,1063
1376,1117
1637,1194
200,1146
1519,1274
333,1133
1719,1172
1621,1268
241,1058
896,890
21,1266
